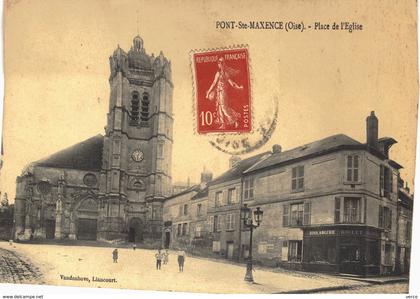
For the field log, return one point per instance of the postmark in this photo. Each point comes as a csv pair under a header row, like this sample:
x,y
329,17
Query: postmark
x,y
222,91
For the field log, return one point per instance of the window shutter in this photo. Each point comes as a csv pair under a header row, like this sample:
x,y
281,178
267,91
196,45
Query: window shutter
x,y
390,180
307,213
211,223
381,216
381,181
285,215
337,210
390,219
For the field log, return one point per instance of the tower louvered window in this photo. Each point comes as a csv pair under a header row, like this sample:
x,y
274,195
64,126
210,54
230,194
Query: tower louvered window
x,y
145,107
135,107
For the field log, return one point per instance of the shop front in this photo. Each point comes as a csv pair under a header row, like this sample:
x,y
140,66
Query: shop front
x,y
350,249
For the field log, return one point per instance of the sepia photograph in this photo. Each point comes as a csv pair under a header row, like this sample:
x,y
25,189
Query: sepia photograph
x,y
210,147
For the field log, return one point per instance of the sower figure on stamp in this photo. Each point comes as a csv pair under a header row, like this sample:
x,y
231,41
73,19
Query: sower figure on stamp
x,y
225,114
115,255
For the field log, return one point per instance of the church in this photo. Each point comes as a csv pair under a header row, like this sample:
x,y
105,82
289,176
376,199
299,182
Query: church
x,y
112,186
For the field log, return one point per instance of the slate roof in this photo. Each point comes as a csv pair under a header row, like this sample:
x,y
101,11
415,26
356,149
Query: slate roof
x,y
236,172
86,155
202,193
318,147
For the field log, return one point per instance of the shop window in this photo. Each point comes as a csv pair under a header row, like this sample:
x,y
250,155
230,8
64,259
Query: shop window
x,y
298,174
388,254
322,250
350,253
295,251
352,175
351,210
249,188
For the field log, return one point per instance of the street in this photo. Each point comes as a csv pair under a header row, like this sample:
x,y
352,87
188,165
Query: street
x,y
86,266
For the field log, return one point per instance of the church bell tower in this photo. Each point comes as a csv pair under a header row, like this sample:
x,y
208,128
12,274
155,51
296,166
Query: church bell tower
x,y
137,152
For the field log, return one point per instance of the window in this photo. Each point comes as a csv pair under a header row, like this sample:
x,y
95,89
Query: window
x,y
298,173
351,210
215,223
295,251
388,254
185,209
230,221
352,168
135,107
198,231
181,210
349,253
385,181
145,107
218,200
296,214
286,215
179,232
199,209
231,198
184,229
249,188
385,217
160,150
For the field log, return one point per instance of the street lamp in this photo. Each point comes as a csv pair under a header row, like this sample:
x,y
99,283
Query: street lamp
x,y
251,222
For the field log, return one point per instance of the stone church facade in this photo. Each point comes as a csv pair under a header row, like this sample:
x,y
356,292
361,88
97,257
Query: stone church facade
x,y
109,187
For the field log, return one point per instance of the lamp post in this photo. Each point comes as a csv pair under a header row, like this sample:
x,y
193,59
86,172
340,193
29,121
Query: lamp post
x,y
251,221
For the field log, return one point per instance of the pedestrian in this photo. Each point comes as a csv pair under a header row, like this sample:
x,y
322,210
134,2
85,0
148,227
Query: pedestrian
x,y
115,255
159,257
166,257
10,242
134,246
181,260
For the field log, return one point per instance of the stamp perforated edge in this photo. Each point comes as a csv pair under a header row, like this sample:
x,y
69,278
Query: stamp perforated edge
x,y
194,89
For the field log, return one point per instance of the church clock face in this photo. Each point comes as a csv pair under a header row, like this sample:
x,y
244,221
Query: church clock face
x,y
137,155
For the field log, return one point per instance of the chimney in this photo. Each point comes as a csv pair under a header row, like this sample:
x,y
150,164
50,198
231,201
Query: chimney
x,y
206,176
233,161
276,148
372,130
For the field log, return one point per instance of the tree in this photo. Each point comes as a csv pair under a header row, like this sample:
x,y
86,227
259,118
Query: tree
x,y
5,201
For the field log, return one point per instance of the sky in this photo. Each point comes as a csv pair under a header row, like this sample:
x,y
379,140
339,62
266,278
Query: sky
x,y
326,82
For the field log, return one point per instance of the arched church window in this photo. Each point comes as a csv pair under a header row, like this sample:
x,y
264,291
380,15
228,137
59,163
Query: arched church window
x,y
145,107
135,107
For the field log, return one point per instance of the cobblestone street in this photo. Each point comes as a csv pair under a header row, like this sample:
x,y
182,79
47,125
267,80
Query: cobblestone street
x,y
14,269
89,266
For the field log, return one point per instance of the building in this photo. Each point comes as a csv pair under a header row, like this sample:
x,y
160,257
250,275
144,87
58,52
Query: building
x,y
404,225
333,205
109,187
329,206
224,208
183,216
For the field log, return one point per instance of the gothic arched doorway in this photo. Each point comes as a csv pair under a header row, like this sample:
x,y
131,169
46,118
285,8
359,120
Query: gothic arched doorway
x,y
135,230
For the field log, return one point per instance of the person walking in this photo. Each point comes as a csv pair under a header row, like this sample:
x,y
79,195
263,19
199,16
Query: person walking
x,y
115,255
181,260
159,257
166,257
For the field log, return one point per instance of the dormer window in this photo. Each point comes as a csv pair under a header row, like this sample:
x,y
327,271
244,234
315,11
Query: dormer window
x,y
135,107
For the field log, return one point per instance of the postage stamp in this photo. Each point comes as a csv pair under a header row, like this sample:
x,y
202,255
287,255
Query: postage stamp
x,y
222,90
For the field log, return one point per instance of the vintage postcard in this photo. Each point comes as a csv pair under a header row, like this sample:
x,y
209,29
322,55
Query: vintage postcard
x,y
232,147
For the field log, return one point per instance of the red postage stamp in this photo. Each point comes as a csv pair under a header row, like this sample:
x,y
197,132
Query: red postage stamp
x,y
222,91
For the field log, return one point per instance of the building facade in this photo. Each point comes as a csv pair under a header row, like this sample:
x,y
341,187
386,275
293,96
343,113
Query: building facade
x,y
333,205
109,187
